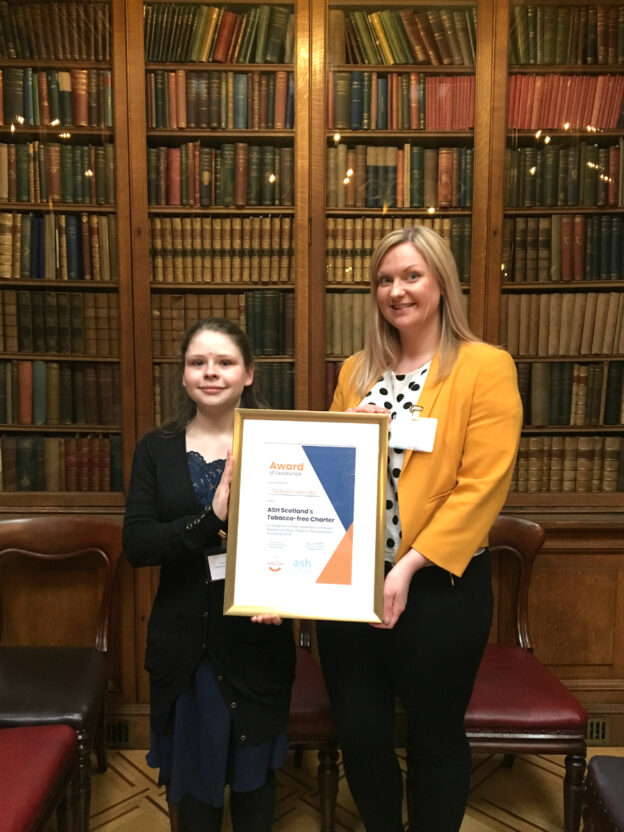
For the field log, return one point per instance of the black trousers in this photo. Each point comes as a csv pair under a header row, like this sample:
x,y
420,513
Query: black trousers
x,y
429,660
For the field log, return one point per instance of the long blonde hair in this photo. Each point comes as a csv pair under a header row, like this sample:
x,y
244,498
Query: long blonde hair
x,y
383,347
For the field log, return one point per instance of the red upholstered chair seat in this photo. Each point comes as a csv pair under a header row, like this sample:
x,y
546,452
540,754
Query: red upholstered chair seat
x,y
310,717
604,798
36,765
514,691
310,726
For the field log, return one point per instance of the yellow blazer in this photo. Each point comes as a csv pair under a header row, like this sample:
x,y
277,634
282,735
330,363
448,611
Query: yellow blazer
x,y
449,498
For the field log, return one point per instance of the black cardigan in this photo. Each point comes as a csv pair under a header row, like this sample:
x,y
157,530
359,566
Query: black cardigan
x,y
166,526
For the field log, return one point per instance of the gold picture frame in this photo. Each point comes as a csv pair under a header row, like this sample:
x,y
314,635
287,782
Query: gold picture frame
x,y
307,514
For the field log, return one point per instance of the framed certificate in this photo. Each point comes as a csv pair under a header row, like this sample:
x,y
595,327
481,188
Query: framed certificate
x,y
306,517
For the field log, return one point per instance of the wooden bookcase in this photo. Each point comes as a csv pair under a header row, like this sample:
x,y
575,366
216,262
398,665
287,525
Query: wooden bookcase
x,y
319,275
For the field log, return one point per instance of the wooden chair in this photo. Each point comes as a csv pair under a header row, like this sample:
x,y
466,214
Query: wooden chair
x,y
517,705
38,773
55,604
603,810
310,725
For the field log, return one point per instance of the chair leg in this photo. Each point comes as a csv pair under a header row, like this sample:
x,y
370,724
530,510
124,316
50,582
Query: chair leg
x,y
328,786
100,741
84,783
66,812
173,816
573,792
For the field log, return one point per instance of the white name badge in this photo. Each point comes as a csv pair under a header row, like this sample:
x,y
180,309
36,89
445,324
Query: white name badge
x,y
413,434
216,565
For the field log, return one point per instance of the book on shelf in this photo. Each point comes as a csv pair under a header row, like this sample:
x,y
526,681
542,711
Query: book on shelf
x,y
569,463
570,35
181,32
390,36
378,100
36,462
268,179
217,256
580,176
56,31
364,233
399,177
59,322
44,172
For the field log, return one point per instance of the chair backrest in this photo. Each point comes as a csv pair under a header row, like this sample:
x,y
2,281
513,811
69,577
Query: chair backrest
x,y
57,579
521,538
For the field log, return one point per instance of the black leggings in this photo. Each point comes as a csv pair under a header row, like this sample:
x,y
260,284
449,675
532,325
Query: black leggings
x,y
250,811
429,660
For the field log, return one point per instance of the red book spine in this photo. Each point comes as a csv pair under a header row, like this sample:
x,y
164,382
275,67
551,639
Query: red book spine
x,y
71,464
579,247
567,245
82,463
80,101
174,189
180,76
413,98
224,37
279,111
173,100
44,101
24,386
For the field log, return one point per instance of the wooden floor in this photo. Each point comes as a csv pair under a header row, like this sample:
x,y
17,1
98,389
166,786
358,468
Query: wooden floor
x,y
526,797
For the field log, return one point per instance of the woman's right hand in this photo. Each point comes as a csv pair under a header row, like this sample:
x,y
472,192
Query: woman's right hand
x,y
221,498
367,408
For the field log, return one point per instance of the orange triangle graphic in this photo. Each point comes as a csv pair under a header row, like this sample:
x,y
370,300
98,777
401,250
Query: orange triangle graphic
x,y
338,568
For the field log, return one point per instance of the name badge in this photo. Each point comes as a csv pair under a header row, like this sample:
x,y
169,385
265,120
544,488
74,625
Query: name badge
x,y
413,434
216,566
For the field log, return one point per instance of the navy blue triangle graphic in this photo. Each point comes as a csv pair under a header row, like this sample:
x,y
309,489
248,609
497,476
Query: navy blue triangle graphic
x,y
335,468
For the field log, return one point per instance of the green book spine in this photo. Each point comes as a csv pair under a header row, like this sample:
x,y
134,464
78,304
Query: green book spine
x,y
274,51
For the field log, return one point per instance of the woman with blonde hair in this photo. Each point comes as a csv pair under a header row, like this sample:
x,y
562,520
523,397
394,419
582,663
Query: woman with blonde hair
x,y
454,424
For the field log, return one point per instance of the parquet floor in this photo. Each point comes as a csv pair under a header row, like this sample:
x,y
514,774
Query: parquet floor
x,y
524,798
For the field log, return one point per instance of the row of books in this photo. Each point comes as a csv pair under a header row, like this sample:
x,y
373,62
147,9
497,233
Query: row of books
x,y
59,393
58,246
64,31
51,97
563,247
273,379
410,176
567,393
345,321
267,316
221,249
569,464
362,100
220,99
539,102
402,36
260,34
34,462
563,323
44,172
351,240
234,174
555,175
74,323
567,34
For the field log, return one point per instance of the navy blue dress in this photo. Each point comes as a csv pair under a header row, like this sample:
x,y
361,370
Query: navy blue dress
x,y
199,756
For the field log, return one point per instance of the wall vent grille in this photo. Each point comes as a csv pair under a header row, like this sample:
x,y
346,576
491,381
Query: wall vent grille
x,y
117,733
597,730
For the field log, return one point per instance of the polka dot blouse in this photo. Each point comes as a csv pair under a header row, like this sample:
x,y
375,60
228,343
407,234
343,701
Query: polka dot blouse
x,y
397,392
